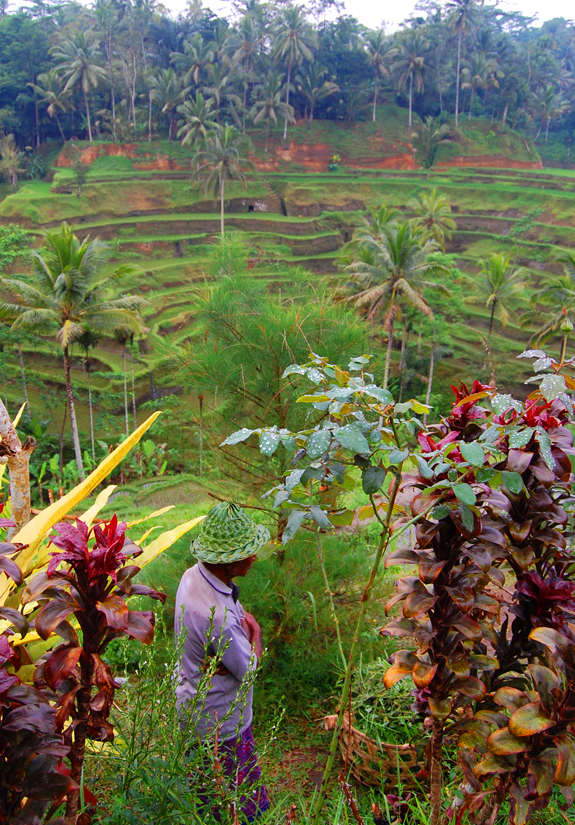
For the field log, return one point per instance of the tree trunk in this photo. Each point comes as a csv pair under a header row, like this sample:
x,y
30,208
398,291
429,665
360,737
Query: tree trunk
x,y
539,130
201,431
88,116
458,73
493,305
547,129
410,97
373,116
267,135
430,379
150,116
134,411
90,410
18,459
287,99
505,111
24,387
72,411
471,104
60,127
388,358
402,361
245,107
222,190
125,391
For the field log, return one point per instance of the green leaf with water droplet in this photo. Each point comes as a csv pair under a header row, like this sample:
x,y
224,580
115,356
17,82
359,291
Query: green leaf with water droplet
x,y
269,442
521,438
318,442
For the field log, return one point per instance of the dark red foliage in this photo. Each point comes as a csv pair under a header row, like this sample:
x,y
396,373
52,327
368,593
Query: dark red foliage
x,y
87,578
30,747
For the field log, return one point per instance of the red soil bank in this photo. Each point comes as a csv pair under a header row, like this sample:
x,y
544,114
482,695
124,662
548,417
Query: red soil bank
x,y
133,151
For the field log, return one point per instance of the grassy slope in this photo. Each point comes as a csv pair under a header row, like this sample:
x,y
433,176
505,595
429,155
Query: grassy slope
x,y
149,216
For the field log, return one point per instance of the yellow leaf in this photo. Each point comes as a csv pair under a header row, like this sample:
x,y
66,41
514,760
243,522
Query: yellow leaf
x,y
19,416
312,399
147,533
33,532
166,540
366,512
101,501
341,376
475,396
419,408
155,514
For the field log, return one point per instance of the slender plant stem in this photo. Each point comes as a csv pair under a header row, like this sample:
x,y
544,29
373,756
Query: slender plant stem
x,y
329,593
384,542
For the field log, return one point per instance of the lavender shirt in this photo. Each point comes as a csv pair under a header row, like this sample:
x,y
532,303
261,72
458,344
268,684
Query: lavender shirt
x,y
200,593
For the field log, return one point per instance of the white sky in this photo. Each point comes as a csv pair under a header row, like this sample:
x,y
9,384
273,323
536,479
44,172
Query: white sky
x,y
373,12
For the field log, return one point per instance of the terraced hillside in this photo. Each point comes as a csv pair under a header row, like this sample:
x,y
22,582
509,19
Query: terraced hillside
x,y
296,213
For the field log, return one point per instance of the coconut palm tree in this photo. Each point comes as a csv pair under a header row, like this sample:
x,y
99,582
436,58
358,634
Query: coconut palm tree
x,y
244,46
78,65
219,88
463,13
269,104
380,52
10,160
167,91
498,285
433,215
313,85
428,138
197,55
409,65
555,301
392,270
68,292
220,161
197,119
294,43
480,73
551,104
50,91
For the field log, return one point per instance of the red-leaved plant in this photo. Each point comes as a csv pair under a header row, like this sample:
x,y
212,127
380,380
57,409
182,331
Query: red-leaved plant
x,y
89,578
500,480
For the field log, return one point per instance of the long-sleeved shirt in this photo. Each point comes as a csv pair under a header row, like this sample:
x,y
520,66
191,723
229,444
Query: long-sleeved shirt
x,y
203,601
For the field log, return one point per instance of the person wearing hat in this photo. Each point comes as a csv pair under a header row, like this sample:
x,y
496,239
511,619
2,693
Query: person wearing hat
x,y
209,613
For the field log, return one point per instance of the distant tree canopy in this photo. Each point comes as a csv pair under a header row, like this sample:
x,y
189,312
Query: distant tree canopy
x,y
67,70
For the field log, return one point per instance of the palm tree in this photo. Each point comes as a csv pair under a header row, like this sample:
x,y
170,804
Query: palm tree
x,y
87,341
391,270
551,105
295,41
481,73
270,105
78,53
50,91
222,160
107,16
379,51
218,87
244,46
462,15
433,215
195,58
498,286
167,92
429,138
197,119
313,85
555,301
10,160
409,65
67,293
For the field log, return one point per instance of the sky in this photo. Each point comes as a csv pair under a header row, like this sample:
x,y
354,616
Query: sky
x,y
373,13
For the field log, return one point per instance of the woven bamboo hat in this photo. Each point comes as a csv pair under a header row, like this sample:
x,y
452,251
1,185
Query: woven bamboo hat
x,y
228,535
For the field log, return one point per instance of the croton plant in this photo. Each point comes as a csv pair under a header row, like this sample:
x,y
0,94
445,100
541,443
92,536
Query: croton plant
x,y
492,598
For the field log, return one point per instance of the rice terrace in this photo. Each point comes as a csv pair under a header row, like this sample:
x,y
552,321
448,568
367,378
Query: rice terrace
x,y
287,304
